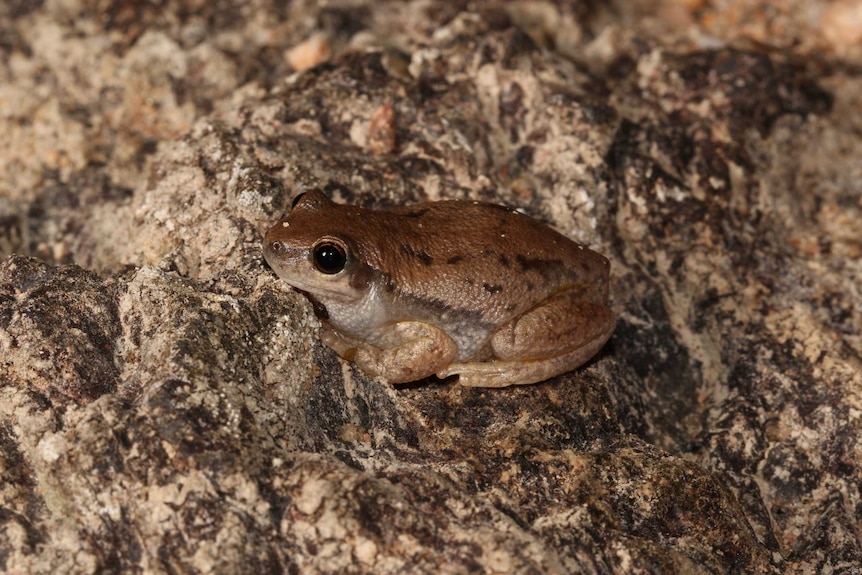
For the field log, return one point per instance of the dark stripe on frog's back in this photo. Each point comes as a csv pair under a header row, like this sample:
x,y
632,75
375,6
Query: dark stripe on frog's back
x,y
414,211
421,256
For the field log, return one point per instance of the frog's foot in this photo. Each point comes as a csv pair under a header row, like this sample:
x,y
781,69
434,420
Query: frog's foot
x,y
408,351
501,373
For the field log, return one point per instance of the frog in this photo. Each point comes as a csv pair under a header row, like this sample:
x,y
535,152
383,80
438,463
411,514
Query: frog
x,y
452,287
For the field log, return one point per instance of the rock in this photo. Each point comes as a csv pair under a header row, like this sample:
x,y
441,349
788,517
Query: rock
x,y
166,403
309,53
58,328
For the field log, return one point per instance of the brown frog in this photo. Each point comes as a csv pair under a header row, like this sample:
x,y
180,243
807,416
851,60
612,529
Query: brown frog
x,y
445,288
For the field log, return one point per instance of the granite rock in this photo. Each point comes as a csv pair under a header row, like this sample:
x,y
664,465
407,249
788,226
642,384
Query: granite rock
x,y
166,404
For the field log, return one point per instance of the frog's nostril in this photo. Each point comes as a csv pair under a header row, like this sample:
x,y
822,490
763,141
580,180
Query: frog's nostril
x,y
276,246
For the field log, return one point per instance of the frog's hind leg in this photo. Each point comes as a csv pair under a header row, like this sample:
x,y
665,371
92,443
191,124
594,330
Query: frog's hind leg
x,y
505,373
555,337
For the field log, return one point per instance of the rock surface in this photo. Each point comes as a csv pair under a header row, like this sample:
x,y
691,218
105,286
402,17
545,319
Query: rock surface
x,y
166,405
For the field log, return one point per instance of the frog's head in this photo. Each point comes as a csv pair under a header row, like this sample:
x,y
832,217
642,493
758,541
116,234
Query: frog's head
x,y
313,250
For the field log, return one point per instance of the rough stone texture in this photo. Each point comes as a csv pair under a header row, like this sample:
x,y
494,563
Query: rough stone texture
x,y
167,407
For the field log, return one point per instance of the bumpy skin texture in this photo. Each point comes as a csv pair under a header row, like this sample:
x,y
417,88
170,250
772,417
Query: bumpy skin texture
x,y
453,287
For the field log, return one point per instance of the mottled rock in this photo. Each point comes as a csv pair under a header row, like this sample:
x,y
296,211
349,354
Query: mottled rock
x,y
167,407
58,326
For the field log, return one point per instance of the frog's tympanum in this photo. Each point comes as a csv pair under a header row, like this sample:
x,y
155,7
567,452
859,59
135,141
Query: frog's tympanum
x,y
445,288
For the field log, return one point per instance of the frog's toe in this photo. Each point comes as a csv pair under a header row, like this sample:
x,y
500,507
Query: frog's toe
x,y
490,374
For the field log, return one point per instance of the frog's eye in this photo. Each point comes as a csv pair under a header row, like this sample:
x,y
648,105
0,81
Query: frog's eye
x,y
329,257
296,200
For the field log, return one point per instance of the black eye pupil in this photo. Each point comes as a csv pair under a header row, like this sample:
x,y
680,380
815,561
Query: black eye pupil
x,y
330,258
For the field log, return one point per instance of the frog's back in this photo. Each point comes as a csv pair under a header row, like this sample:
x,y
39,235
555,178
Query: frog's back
x,y
479,257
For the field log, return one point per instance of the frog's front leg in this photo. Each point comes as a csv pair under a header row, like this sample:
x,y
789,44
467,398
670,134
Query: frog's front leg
x,y
404,351
554,337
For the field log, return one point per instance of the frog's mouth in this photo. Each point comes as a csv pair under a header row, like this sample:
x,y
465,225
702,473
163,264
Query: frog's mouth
x,y
326,291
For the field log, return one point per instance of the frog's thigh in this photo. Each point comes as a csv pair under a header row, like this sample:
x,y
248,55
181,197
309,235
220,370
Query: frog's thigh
x,y
408,351
548,340
560,324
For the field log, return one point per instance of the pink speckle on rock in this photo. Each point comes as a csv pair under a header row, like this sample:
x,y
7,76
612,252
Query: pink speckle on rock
x,y
309,53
